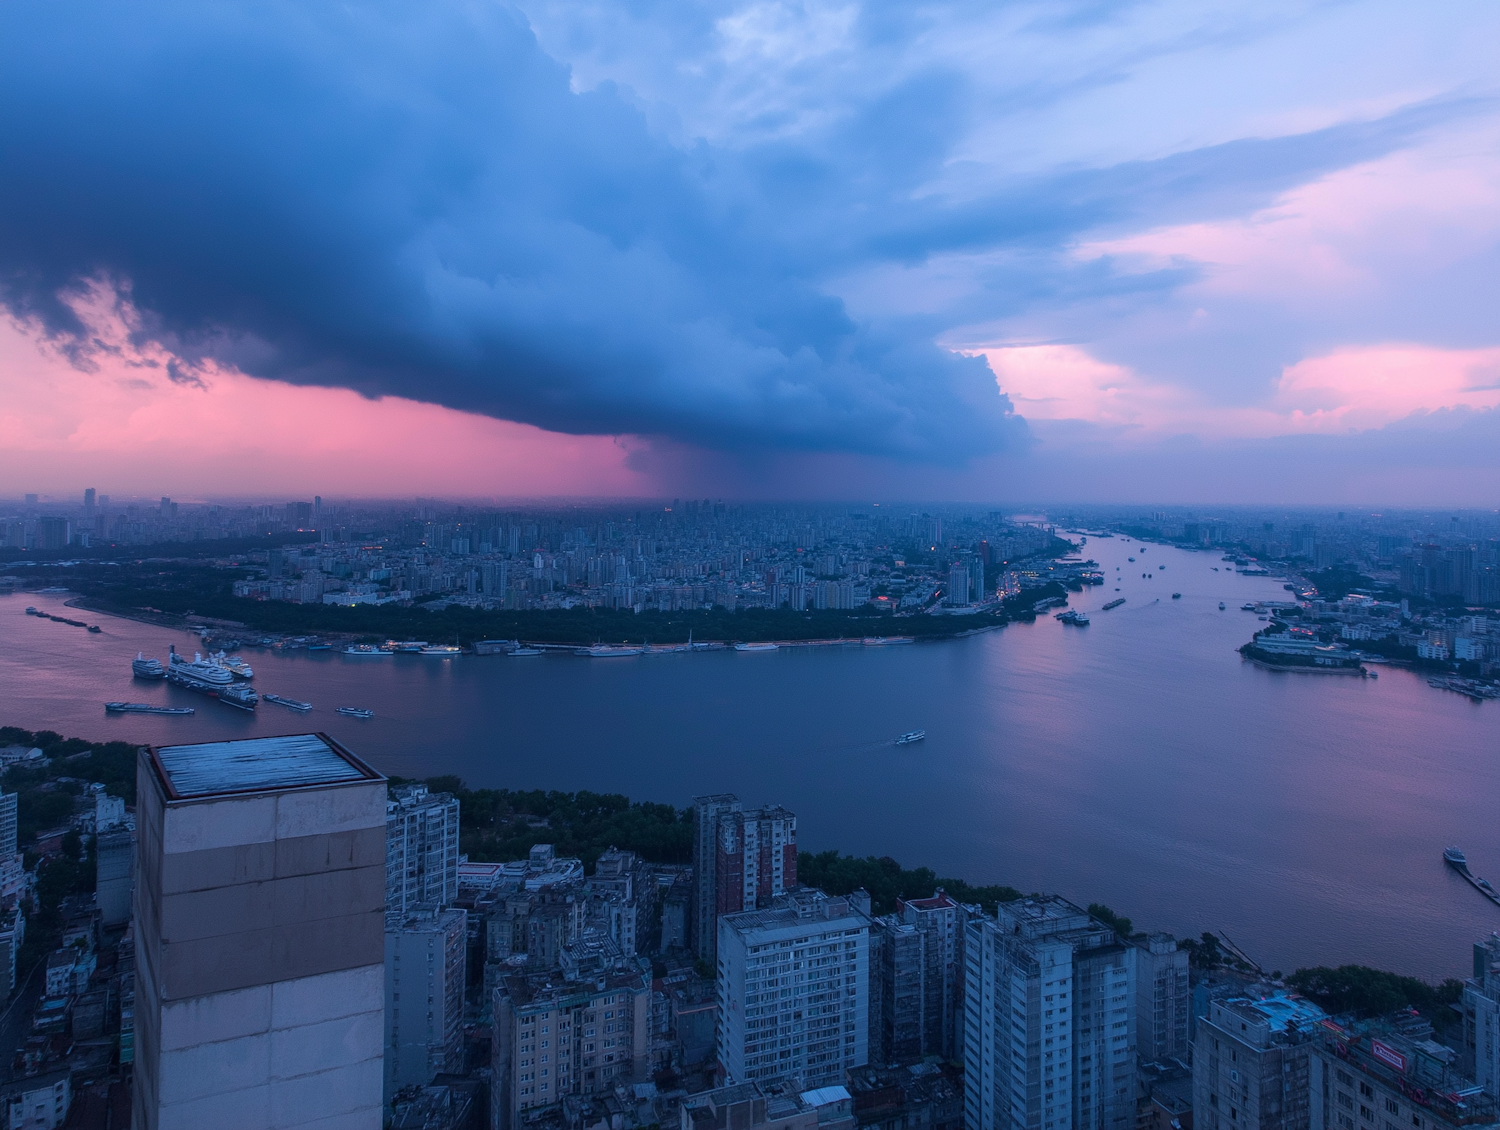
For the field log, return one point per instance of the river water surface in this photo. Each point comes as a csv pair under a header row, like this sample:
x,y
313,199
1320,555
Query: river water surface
x,y
1137,762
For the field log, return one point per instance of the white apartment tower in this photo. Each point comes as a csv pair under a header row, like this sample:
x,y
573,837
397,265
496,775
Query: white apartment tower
x,y
1049,1021
794,984
421,846
259,936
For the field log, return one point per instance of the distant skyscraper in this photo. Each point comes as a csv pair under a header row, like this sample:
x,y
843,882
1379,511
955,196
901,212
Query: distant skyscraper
x,y
259,926
794,990
88,502
742,860
421,849
958,585
1043,970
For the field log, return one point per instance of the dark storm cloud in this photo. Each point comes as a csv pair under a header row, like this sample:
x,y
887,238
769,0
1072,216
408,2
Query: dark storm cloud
x,y
411,200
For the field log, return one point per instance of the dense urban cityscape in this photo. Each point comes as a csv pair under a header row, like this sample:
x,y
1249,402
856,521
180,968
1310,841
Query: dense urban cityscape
x,y
693,969
242,925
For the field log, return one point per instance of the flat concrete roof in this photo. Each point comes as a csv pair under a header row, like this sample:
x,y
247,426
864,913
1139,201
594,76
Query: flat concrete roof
x,y
250,765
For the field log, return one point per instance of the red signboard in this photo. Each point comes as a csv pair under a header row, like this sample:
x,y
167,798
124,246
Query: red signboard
x,y
1387,1054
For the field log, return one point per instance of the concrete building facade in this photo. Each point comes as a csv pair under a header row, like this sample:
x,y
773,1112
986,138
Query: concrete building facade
x,y
1049,1021
115,884
259,936
1162,1000
1250,1064
744,859
1481,1008
794,984
424,996
421,843
555,1037
1389,1074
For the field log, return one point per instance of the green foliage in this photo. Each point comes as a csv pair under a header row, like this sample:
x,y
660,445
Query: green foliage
x,y
43,801
886,881
501,824
1118,922
1206,953
1372,992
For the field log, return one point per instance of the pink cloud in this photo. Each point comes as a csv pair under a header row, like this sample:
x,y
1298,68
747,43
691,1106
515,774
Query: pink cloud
x,y
1352,388
127,425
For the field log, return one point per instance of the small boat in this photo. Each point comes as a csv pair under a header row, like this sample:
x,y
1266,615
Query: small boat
x,y
1455,858
1221,606
31,610
95,628
145,708
1372,674
1080,620
1176,596
442,649
356,712
291,703
912,736
1114,603
524,651
1132,559
1248,606
756,647
365,649
143,668
606,651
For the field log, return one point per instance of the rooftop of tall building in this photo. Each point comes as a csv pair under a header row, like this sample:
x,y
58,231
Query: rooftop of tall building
x,y
253,765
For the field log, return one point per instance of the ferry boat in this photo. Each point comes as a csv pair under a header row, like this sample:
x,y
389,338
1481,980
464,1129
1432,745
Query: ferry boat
x,y
1454,858
143,668
291,703
756,647
605,651
1114,603
197,669
913,736
524,651
365,649
240,695
144,708
408,647
356,712
1072,617
442,649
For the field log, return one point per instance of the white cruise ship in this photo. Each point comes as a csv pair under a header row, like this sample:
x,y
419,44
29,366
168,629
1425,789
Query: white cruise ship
x,y
143,668
197,669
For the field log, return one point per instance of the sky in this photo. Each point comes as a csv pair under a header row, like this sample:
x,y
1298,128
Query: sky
x,y
1067,250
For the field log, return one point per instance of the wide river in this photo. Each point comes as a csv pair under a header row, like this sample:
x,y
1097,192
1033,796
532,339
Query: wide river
x,y
1137,762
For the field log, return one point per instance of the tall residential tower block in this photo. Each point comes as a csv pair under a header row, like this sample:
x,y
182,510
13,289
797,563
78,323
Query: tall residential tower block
x,y
260,936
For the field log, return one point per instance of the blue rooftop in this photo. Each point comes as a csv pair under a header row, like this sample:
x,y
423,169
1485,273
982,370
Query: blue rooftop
x,y
258,764
1279,1010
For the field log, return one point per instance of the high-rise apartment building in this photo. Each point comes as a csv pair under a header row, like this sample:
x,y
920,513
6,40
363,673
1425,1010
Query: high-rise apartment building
x,y
259,939
421,845
742,859
1049,1021
424,996
556,1036
1481,1007
916,984
794,983
1250,1064
7,825
1162,999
